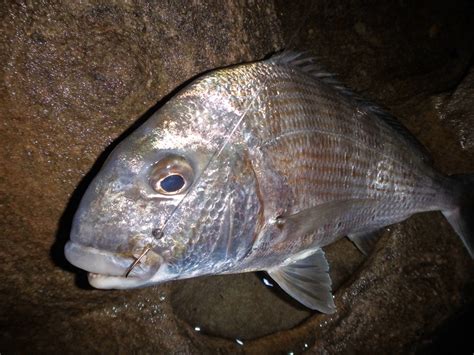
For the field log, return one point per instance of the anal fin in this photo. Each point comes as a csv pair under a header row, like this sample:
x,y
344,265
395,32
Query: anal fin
x,y
365,241
307,280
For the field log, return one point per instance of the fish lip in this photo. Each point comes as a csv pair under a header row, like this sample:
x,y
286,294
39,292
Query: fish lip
x,y
107,269
96,260
102,281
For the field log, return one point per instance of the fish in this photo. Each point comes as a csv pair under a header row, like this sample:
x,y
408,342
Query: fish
x,y
258,167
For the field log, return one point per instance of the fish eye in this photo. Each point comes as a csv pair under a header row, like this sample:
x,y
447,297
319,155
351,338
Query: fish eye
x,y
172,183
171,175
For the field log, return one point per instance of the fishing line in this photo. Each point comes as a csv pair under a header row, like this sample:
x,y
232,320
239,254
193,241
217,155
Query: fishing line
x,y
217,152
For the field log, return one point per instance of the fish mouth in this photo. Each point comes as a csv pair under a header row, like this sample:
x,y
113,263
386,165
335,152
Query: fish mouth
x,y
107,270
106,282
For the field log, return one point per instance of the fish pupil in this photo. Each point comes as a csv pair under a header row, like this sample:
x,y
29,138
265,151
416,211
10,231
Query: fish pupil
x,y
172,183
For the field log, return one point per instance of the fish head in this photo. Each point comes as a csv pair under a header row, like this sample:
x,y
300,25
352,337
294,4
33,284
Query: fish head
x,y
178,194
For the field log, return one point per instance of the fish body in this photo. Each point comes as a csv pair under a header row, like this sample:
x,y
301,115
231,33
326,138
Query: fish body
x,y
256,167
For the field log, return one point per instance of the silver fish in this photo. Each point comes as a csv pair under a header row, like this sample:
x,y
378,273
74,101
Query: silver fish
x,y
257,167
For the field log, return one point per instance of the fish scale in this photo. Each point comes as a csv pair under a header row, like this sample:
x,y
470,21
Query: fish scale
x,y
276,160
304,122
301,123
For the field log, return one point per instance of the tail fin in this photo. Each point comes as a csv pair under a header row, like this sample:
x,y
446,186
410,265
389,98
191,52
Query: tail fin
x,y
462,217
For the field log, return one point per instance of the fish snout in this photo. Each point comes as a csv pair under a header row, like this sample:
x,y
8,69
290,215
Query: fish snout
x,y
112,270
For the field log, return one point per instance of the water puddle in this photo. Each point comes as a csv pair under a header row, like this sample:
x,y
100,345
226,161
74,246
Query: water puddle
x,y
237,307
248,306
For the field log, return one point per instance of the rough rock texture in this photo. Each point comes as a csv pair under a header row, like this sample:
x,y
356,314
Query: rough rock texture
x,y
76,77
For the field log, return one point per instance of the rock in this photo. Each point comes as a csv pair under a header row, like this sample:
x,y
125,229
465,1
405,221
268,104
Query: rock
x,y
76,77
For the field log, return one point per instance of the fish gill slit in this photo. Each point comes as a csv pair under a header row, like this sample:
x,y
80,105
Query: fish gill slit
x,y
230,229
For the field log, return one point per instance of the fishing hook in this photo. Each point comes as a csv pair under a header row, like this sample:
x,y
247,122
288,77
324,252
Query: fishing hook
x,y
135,263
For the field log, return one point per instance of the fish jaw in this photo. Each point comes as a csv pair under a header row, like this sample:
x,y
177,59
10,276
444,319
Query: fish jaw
x,y
107,270
106,282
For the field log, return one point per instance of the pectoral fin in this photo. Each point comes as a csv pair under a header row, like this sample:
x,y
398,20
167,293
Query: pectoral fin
x,y
366,241
307,280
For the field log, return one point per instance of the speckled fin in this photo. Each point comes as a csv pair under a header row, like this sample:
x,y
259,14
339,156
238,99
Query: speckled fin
x,y
307,63
307,280
365,241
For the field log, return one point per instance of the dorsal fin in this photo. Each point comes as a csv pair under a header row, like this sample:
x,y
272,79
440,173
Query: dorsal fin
x,y
307,63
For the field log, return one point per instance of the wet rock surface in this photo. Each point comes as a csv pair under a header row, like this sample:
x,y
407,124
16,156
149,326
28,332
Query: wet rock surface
x,y
76,76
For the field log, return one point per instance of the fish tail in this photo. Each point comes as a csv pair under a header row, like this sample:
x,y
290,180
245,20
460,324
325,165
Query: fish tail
x,y
461,217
